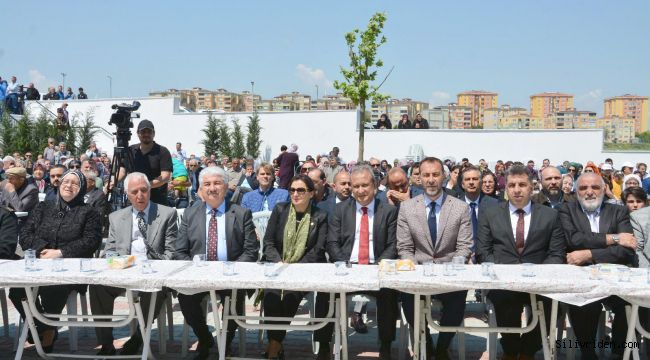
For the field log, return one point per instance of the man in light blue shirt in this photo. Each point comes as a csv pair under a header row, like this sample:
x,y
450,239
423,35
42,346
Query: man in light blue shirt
x,y
266,196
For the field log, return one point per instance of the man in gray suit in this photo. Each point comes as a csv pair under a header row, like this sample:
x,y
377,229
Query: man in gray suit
x,y
640,220
435,227
222,231
146,230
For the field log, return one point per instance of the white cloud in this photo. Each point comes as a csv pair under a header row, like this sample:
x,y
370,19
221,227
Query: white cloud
x,y
591,100
39,80
439,98
313,77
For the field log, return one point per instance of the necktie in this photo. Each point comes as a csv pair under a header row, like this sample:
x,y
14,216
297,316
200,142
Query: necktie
x,y
364,238
472,207
519,239
212,237
433,227
142,225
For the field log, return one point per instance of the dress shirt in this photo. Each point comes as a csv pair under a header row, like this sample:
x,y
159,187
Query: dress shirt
x,y
222,244
255,200
439,201
138,248
514,217
354,256
594,219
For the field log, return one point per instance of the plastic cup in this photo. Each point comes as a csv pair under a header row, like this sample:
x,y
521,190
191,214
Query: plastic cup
x,y
85,265
390,267
428,269
459,262
57,265
146,267
449,269
487,269
594,272
30,260
270,270
341,268
528,270
624,274
199,260
229,268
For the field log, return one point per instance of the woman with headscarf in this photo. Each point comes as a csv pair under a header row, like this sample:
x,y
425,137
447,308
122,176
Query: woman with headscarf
x,y
296,233
65,228
631,180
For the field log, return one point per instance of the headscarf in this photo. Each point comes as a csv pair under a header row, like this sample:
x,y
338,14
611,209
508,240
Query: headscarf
x,y
628,177
293,148
65,206
593,166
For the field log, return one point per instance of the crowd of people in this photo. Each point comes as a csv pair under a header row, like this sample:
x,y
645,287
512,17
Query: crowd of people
x,y
13,95
325,209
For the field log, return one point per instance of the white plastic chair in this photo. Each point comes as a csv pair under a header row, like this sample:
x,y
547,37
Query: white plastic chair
x,y
179,216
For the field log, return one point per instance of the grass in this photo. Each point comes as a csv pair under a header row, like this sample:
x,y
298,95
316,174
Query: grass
x,y
622,147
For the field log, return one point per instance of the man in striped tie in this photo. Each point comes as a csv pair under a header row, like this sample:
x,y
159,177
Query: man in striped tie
x,y
362,231
515,232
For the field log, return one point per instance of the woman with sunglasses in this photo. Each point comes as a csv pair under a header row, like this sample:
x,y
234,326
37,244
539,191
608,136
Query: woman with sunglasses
x,y
296,233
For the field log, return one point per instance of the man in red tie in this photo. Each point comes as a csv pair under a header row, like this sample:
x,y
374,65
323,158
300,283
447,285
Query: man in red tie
x,y
515,232
362,230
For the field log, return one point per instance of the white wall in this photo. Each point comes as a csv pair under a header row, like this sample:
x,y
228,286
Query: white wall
x,y
318,131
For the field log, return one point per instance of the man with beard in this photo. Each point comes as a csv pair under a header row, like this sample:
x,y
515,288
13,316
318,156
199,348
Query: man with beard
x,y
552,194
153,160
597,232
342,189
321,191
52,191
435,227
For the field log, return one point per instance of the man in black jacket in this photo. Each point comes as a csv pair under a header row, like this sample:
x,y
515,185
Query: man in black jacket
x,y
596,233
32,93
542,243
8,233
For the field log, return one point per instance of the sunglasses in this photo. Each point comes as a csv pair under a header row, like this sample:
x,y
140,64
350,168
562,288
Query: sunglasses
x,y
75,167
300,191
375,165
306,169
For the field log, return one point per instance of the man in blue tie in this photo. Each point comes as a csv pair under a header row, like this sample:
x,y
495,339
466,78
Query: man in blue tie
x,y
221,231
435,227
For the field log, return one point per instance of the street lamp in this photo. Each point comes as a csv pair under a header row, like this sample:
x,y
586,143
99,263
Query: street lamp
x,y
110,86
63,76
253,95
316,96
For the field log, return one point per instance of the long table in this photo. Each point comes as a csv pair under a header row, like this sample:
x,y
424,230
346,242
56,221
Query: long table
x,y
564,283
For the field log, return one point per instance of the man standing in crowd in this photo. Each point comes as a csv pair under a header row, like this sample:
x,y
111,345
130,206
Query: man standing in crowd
x,y
552,194
597,232
82,95
153,160
287,161
49,153
516,232
11,95
180,154
265,196
435,227
234,174
223,231
333,169
146,230
363,231
32,93
61,153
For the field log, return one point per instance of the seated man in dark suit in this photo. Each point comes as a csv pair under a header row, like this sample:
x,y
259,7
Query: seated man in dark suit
x,y
95,197
230,236
542,243
342,189
8,233
350,239
597,232
399,188
146,230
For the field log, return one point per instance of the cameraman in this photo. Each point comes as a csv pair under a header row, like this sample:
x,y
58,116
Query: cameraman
x,y
153,160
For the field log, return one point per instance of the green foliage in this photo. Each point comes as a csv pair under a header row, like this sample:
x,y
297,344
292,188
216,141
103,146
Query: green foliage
x,y
7,128
42,130
87,131
225,148
253,140
364,65
644,137
211,141
71,135
238,148
626,147
22,141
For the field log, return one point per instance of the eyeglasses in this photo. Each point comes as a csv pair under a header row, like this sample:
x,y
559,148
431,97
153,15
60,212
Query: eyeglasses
x,y
74,167
306,169
70,183
300,191
28,155
572,170
375,165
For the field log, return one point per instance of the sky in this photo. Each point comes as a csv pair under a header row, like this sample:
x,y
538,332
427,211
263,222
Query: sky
x,y
592,49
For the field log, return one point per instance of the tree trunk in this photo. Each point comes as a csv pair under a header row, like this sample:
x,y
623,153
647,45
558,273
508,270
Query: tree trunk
x,y
362,119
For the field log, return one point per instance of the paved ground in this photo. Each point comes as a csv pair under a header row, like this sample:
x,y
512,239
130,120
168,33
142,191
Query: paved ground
x,y
297,344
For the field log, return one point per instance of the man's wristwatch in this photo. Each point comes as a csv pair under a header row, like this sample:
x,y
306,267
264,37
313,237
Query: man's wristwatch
x,y
616,239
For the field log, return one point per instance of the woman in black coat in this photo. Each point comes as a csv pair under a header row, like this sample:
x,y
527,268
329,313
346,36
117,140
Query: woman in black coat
x,y
296,233
66,228
384,122
404,122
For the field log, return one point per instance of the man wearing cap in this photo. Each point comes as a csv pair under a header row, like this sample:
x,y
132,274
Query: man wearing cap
x,y
153,160
17,193
628,168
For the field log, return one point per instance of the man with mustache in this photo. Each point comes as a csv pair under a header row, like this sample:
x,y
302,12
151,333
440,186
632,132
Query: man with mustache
x,y
597,232
552,194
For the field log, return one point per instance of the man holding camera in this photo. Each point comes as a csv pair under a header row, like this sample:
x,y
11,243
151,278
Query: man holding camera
x,y
153,160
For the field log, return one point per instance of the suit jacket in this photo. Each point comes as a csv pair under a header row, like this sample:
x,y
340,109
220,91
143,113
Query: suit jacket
x,y
542,198
8,233
342,229
161,231
545,243
23,199
242,244
614,219
274,236
640,220
97,200
454,235
329,205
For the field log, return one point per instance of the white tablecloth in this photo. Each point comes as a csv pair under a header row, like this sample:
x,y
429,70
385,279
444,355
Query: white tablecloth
x,y
298,277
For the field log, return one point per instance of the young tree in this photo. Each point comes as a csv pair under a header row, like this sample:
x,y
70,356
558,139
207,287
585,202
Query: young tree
x,y
225,148
44,128
211,141
23,135
87,130
238,147
253,141
7,131
71,135
364,63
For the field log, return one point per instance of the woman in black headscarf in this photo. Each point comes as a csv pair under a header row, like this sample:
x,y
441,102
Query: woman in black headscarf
x,y
66,228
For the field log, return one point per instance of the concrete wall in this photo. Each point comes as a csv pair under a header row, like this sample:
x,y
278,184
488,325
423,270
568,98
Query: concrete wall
x,y
318,131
